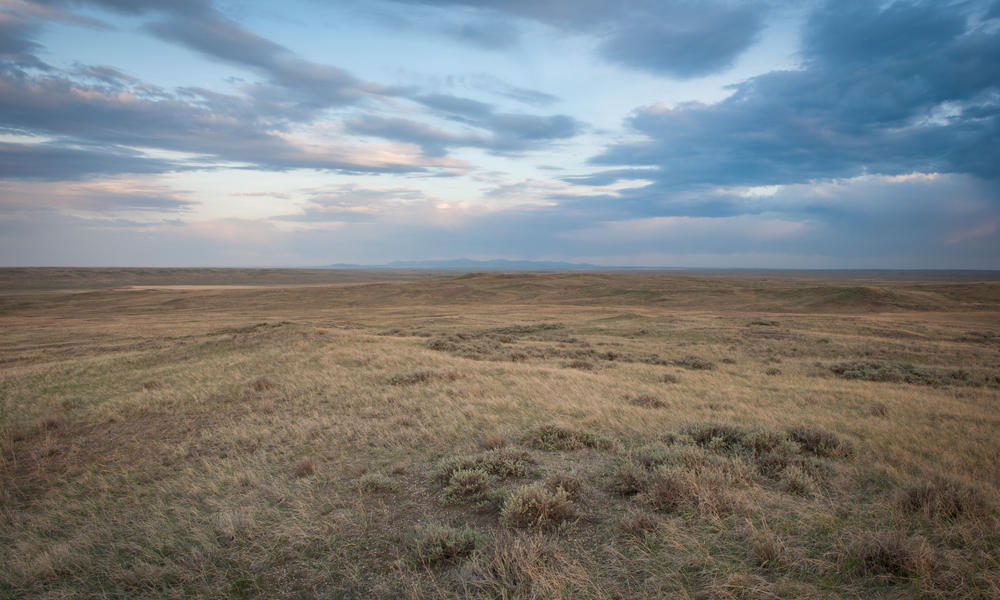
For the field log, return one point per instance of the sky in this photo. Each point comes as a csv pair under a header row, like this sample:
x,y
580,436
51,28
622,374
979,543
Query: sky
x,y
671,133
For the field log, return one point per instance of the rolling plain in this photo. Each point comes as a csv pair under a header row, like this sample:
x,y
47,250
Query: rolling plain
x,y
287,434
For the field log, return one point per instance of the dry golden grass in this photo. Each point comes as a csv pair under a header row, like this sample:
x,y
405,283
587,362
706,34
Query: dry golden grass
x,y
425,438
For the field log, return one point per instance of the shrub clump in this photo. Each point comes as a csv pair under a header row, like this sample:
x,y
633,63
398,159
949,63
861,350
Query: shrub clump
x,y
557,437
720,436
646,401
501,463
436,544
668,490
537,506
421,377
694,362
795,480
627,478
568,481
878,410
820,442
943,498
893,372
467,485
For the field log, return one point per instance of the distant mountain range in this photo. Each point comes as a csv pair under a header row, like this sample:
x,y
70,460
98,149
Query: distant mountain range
x,y
468,264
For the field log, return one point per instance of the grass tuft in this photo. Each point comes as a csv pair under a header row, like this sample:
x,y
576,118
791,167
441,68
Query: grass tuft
x,y
262,384
942,497
891,553
638,523
376,483
494,441
305,467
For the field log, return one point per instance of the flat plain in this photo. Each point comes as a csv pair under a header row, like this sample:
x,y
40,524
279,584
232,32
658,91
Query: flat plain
x,y
240,433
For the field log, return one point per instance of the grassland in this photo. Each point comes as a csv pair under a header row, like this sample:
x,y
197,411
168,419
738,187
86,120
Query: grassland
x,y
498,436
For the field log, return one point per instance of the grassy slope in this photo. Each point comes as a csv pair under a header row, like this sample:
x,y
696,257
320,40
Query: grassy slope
x,y
284,441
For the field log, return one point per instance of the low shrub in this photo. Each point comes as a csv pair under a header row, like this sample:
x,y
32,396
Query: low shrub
x,y
820,442
878,410
557,437
795,480
467,485
627,478
668,490
421,377
646,401
694,362
500,463
537,506
571,482
436,544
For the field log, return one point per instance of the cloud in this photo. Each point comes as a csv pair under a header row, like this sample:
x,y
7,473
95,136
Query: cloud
x,y
484,33
266,125
356,204
105,198
121,113
678,38
53,162
908,87
507,132
707,41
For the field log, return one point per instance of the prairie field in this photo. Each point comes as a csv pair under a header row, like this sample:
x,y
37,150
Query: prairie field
x,y
296,434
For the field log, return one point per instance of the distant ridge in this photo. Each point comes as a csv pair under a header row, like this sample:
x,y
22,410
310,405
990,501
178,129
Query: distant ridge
x,y
468,264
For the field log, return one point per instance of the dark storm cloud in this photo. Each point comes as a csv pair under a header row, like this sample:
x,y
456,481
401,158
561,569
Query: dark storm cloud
x,y
908,87
679,38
